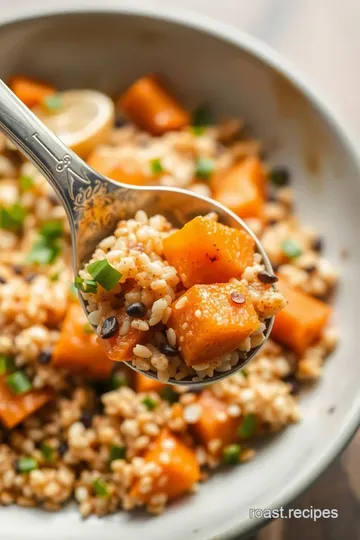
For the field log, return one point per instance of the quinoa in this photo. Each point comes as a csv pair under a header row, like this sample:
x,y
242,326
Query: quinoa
x,y
84,421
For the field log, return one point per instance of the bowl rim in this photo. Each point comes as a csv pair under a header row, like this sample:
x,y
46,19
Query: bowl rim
x,y
270,57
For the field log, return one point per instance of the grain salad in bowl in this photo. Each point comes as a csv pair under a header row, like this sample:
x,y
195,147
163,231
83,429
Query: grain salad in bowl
x,y
77,425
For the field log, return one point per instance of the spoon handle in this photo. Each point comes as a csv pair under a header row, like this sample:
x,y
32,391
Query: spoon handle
x,y
67,173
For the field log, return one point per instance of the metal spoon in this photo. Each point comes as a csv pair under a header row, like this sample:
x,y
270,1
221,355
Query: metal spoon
x,y
94,203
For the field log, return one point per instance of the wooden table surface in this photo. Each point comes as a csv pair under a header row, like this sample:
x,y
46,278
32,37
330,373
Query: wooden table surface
x,y
338,487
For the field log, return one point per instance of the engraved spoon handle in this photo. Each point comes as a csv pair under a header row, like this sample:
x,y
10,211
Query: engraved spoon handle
x,y
65,171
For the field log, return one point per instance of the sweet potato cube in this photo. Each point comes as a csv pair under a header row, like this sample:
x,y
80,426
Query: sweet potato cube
x,y
120,348
301,322
151,107
209,323
205,251
147,384
29,91
214,422
241,188
77,349
178,464
16,408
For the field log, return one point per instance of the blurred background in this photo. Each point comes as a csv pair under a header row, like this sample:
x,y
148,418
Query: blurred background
x,y
322,39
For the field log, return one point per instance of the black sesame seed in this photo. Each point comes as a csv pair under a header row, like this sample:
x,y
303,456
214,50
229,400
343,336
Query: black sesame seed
x,y
267,278
120,121
86,418
44,357
168,350
17,269
272,222
137,309
109,328
294,384
237,297
2,281
62,448
280,176
318,244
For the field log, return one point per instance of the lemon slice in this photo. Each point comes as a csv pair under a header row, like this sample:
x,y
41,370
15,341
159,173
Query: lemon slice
x,y
82,119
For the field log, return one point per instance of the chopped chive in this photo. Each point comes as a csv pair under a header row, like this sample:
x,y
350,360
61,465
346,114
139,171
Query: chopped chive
x,y
53,103
198,130
117,452
47,451
204,168
18,382
100,488
12,217
280,176
116,380
168,394
231,454
85,285
88,329
202,116
104,274
248,426
156,166
6,364
26,182
291,248
51,230
43,252
26,464
149,403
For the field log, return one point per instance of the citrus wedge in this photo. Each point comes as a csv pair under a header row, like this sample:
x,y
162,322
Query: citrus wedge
x,y
82,119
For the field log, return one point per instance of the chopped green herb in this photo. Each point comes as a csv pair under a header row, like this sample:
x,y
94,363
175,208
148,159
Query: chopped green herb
x,y
231,454
104,274
204,168
18,382
6,364
55,277
72,291
117,452
100,488
291,248
245,372
149,403
169,394
12,217
280,177
156,166
202,116
248,426
53,103
26,182
52,230
47,451
85,285
88,329
198,130
43,252
26,464
116,380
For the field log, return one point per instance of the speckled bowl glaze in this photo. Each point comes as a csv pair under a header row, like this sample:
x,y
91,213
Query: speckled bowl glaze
x,y
107,48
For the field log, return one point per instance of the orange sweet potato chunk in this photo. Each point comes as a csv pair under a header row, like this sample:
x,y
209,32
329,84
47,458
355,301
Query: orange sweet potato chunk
x,y
205,251
178,466
301,322
16,408
241,188
29,91
210,323
147,384
100,163
77,350
119,348
151,107
212,425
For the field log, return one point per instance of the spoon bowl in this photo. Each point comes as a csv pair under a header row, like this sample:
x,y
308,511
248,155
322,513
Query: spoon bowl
x,y
94,203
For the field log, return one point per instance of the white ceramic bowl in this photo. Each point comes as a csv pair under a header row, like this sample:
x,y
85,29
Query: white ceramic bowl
x,y
237,76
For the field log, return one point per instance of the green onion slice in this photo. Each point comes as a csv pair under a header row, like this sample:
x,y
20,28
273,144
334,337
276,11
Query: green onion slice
x,y
26,464
156,166
104,274
204,168
18,382
85,285
248,426
117,452
100,488
231,454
